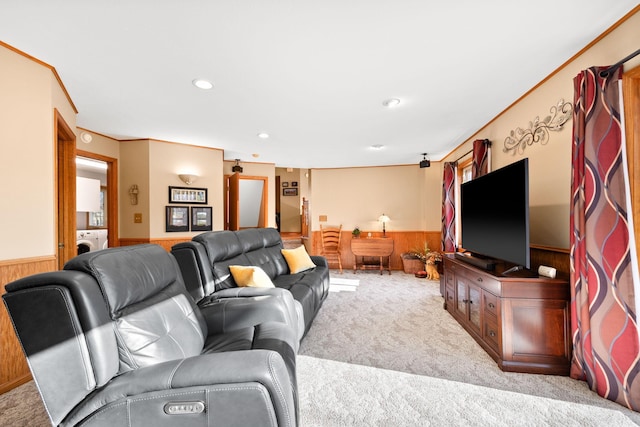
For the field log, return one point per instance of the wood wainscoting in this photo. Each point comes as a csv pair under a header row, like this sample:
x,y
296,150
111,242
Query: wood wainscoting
x,y
403,241
408,241
14,370
165,243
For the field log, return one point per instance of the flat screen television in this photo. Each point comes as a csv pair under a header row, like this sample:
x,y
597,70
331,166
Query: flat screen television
x,y
494,215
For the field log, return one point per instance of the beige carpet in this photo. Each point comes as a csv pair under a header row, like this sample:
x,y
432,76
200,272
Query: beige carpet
x,y
336,394
397,323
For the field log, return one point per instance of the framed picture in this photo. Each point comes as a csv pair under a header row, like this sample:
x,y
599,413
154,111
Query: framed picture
x,y
177,218
289,191
294,183
195,196
285,184
201,218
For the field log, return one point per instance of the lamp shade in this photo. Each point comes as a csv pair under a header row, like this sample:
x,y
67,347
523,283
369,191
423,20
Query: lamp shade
x,y
383,218
188,178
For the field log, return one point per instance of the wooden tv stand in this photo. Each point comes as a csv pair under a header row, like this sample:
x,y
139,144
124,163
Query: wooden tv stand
x,y
523,323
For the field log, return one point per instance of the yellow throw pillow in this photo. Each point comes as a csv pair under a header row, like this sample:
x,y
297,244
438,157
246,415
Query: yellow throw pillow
x,y
250,276
297,259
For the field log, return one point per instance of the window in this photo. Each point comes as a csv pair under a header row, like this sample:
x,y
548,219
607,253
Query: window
x,y
464,174
99,219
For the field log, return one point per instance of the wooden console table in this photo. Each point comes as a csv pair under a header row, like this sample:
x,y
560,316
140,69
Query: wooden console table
x,y
372,247
523,323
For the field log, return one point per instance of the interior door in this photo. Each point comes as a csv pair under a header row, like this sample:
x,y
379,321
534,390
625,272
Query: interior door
x,y
65,189
233,202
246,202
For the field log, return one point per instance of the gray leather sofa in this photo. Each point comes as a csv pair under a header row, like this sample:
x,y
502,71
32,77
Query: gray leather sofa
x,y
205,261
116,339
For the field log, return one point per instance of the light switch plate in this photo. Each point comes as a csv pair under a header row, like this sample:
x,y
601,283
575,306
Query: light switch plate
x,y
137,218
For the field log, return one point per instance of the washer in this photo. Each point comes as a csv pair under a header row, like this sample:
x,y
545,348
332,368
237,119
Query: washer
x,y
87,241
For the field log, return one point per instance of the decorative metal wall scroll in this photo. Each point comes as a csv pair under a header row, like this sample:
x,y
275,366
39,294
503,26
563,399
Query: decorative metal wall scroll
x,y
538,131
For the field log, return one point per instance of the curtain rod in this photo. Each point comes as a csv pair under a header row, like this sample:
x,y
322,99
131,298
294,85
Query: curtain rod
x,y
606,71
470,151
465,154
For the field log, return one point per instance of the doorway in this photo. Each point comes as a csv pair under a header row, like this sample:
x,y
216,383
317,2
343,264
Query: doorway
x,y
107,217
245,202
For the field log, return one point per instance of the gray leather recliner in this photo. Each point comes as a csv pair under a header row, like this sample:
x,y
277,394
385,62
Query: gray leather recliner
x,y
205,262
115,339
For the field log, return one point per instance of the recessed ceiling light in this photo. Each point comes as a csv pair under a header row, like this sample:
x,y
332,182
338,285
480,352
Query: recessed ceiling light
x,y
377,147
390,103
202,84
263,135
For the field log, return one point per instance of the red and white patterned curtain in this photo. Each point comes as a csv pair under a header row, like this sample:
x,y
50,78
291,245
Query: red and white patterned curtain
x,y
604,270
448,235
481,157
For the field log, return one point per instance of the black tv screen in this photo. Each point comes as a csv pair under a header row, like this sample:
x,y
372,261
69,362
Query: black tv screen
x,y
495,214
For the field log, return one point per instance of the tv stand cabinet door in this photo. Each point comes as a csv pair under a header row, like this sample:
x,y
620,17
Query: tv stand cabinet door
x,y
468,304
536,336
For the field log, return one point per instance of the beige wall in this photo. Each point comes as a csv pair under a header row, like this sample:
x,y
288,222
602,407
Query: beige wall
x,y
410,196
134,170
291,206
30,92
168,160
99,144
550,164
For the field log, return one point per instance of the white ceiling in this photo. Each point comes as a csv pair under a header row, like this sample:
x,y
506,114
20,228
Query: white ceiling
x,y
313,74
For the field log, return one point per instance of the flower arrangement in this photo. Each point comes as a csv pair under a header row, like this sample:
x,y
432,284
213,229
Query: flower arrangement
x,y
356,232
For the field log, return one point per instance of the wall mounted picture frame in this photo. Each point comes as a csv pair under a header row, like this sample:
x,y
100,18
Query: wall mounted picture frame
x,y
285,184
289,191
294,183
188,195
177,218
201,218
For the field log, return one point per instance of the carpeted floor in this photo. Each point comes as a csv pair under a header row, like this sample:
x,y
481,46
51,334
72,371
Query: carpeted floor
x,y
387,354
397,323
336,394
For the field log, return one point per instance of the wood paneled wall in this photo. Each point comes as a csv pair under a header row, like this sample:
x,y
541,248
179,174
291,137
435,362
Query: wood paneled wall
x,y
407,241
14,370
165,243
403,241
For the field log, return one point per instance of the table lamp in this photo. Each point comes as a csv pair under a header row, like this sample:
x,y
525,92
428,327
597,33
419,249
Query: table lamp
x,y
384,219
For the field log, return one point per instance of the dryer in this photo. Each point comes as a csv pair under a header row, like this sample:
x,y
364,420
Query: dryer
x,y
103,238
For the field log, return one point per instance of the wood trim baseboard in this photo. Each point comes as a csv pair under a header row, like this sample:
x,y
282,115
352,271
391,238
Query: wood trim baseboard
x,y
16,382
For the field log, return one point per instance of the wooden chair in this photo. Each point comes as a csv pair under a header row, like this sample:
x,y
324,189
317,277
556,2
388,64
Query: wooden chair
x,y
331,243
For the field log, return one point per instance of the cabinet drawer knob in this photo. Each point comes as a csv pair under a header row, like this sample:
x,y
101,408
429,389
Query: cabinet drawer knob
x,y
465,301
492,334
479,279
491,305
